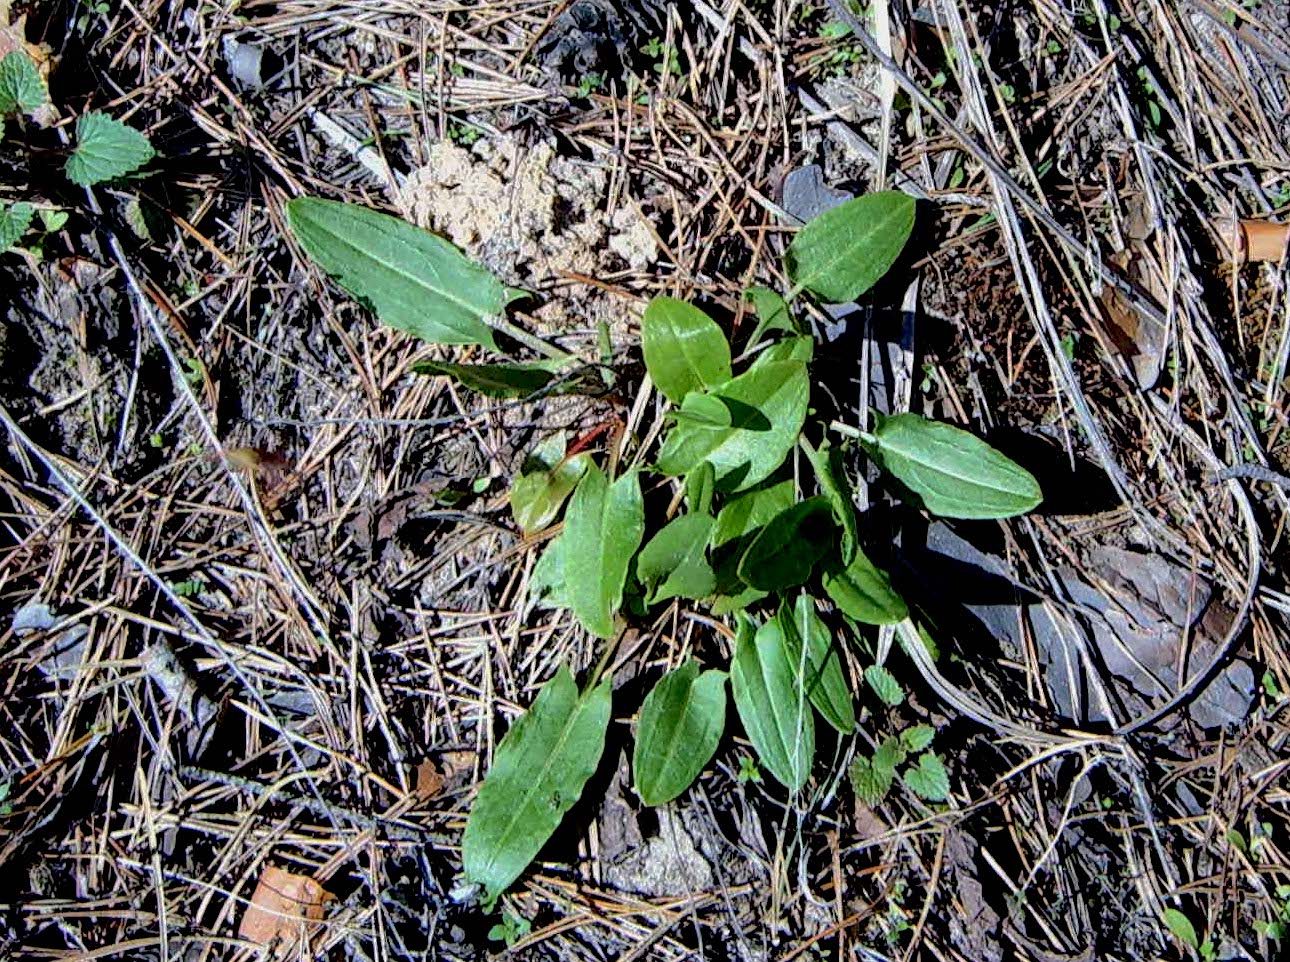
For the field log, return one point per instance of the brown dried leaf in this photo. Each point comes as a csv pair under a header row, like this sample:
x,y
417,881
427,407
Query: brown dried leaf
x,y
1254,240
283,910
430,780
1139,337
270,467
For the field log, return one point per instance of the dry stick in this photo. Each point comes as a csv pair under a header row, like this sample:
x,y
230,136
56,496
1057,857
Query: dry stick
x,y
1201,680
1130,291
986,159
966,704
313,609
118,541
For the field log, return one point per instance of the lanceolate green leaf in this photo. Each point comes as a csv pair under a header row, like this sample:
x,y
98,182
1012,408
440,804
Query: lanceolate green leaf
x,y
538,772
789,349
602,530
546,478
684,349
845,251
681,722
771,704
674,563
785,551
767,405
105,150
700,485
547,583
956,474
502,380
413,280
832,478
863,592
825,683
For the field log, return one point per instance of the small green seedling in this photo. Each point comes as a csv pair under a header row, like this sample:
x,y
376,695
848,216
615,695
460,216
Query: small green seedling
x,y
925,776
588,82
667,59
105,149
512,929
190,588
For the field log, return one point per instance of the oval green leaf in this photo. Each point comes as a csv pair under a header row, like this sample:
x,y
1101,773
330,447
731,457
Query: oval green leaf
x,y
787,549
681,722
414,280
843,252
545,480
863,592
956,474
603,527
539,770
105,150
684,349
674,564
767,405
547,581
705,410
1182,928
825,683
771,704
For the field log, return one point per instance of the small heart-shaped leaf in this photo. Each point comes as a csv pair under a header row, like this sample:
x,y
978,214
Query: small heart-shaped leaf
x,y
105,150
928,779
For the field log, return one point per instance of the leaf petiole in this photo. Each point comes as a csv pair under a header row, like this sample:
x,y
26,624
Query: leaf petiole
x,y
847,431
